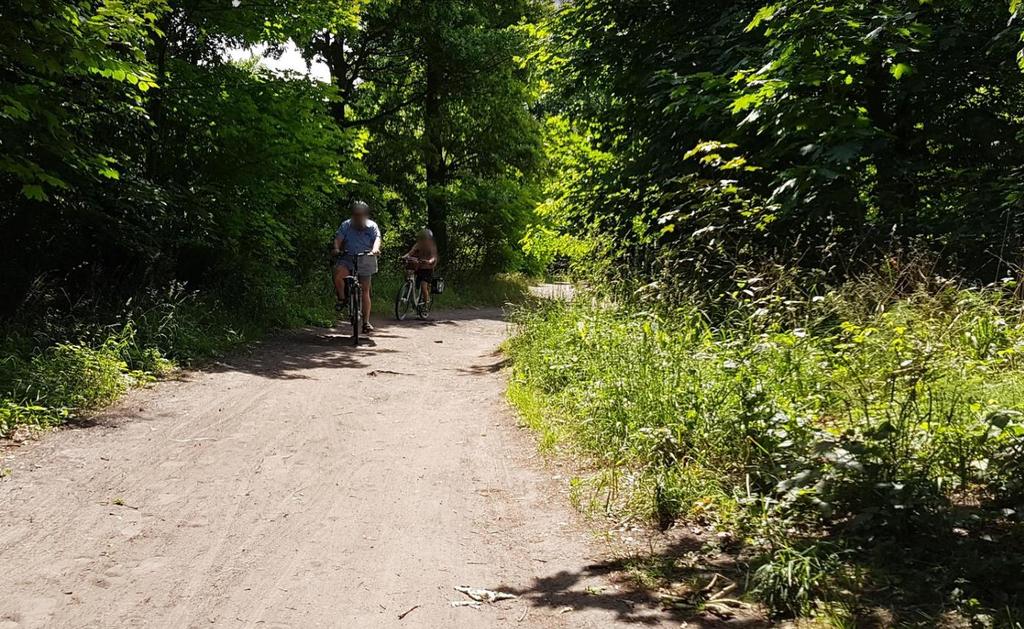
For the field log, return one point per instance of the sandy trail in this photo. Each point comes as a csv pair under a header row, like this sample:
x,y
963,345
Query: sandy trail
x,y
310,484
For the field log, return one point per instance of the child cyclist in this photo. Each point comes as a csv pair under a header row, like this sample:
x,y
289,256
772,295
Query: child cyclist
x,y
423,259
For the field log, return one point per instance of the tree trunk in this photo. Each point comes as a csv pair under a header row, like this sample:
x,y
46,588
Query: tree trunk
x,y
156,100
337,65
433,154
896,195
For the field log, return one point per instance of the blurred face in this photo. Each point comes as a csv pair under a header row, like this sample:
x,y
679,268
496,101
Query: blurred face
x,y
359,217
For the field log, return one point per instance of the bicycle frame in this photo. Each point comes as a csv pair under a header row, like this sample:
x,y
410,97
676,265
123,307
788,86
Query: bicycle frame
x,y
415,297
355,298
417,301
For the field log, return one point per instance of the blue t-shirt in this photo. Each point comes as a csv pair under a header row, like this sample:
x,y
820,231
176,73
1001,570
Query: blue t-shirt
x,y
358,240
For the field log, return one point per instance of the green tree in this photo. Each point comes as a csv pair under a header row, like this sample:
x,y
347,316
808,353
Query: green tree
x,y
58,61
446,81
798,130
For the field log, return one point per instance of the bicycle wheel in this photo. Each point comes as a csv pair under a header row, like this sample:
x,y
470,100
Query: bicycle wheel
x,y
404,300
355,305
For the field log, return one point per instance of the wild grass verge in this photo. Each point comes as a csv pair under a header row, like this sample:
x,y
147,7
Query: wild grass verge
x,y
868,458
56,362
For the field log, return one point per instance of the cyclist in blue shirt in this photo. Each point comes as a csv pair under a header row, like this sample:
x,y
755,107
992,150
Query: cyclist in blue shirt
x,y
356,235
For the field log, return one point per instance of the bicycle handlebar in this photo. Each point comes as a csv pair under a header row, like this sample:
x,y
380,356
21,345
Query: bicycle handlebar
x,y
364,254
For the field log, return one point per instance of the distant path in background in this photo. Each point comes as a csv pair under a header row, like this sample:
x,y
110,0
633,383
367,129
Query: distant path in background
x,y
309,484
557,290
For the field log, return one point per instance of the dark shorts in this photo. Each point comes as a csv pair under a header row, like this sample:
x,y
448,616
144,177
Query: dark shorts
x,y
424,275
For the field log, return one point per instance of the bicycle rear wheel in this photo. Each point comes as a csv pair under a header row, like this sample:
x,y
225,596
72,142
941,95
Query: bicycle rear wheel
x,y
404,300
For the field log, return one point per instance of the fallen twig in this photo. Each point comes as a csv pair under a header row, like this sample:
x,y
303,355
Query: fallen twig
x,y
407,612
711,584
722,592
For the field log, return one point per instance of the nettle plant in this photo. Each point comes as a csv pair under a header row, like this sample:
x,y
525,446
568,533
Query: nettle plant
x,y
915,413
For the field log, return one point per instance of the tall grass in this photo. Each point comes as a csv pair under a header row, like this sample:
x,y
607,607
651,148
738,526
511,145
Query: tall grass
x,y
807,430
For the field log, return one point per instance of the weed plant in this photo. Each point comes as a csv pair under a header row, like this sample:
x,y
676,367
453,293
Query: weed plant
x,y
880,444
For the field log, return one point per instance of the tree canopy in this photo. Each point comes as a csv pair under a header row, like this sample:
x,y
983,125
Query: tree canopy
x,y
820,133
136,151
703,136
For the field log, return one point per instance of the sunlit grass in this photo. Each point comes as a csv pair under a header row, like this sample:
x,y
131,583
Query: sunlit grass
x,y
824,422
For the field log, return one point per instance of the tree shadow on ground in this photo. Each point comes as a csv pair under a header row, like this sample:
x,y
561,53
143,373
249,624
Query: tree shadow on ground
x,y
921,579
486,368
297,354
634,601
968,571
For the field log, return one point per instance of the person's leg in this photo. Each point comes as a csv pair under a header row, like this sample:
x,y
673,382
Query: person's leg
x,y
340,273
424,278
365,282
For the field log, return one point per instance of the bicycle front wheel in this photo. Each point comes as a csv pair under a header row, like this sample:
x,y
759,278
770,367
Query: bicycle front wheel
x,y
404,300
355,305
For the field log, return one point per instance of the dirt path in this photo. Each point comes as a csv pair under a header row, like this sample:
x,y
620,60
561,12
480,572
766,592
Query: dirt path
x,y
307,485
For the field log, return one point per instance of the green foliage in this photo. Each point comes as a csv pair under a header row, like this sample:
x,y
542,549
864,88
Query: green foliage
x,y
793,581
446,101
803,421
13,414
804,133
136,154
566,231
77,377
58,57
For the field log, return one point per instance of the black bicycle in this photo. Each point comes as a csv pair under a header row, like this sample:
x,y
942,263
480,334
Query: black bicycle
x,y
354,290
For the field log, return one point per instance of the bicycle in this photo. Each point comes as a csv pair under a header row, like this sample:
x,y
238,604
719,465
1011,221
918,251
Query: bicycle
x,y
354,290
410,296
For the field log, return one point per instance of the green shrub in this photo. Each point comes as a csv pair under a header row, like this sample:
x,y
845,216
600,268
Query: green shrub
x,y
56,367
13,415
75,376
792,580
838,420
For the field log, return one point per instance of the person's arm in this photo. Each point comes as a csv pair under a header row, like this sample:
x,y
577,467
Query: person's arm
x,y
339,243
376,241
432,261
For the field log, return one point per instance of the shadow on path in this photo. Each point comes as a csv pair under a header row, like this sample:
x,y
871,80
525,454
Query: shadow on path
x,y
297,354
630,601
